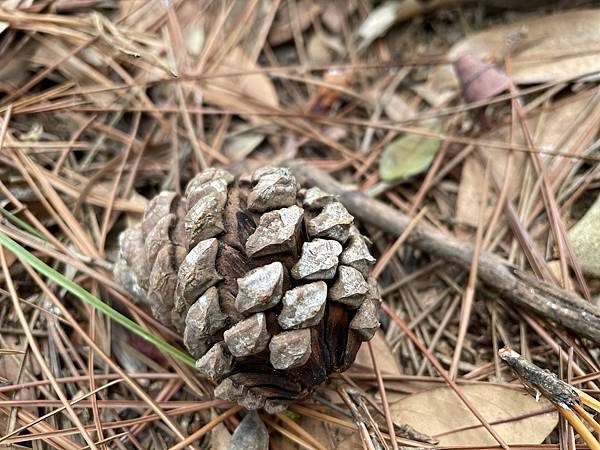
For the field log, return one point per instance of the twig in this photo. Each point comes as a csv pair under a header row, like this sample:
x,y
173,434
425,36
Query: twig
x,y
554,303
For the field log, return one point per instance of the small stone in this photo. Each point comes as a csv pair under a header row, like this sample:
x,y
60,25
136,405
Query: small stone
x,y
205,218
319,260
205,316
166,202
303,306
315,198
163,281
277,232
357,255
333,222
366,320
260,289
159,236
216,362
212,177
290,349
197,272
349,288
276,188
248,337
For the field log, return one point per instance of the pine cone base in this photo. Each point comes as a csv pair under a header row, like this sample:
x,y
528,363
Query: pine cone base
x,y
268,283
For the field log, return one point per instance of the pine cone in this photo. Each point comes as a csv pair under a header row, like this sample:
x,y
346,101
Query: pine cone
x,y
270,285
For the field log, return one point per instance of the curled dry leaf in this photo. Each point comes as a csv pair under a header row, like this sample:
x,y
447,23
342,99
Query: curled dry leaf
x,y
585,238
549,48
408,155
440,413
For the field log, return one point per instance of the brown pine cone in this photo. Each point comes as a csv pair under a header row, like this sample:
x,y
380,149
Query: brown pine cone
x,y
270,285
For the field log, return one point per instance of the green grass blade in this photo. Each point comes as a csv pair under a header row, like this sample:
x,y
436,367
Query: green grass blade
x,y
88,298
21,223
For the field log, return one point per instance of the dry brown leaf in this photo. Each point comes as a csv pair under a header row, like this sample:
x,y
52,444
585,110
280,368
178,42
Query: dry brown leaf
x,y
469,197
329,436
542,55
282,31
242,93
585,238
220,438
386,360
439,411
548,129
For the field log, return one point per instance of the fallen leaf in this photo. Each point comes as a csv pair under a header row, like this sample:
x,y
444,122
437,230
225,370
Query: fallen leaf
x,y
328,435
470,195
240,144
394,105
317,50
478,80
378,22
220,438
282,31
548,128
552,48
439,412
250,434
240,93
382,18
408,155
386,360
585,239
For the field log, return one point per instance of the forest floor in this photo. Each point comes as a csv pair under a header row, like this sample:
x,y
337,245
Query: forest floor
x,y
475,122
